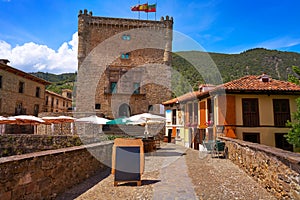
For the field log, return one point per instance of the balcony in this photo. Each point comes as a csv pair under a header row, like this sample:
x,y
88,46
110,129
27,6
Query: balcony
x,y
107,91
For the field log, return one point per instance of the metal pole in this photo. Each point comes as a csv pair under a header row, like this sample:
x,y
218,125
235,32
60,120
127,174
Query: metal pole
x,y
139,9
155,9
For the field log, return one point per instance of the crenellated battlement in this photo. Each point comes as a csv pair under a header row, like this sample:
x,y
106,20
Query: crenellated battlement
x,y
85,12
88,18
90,27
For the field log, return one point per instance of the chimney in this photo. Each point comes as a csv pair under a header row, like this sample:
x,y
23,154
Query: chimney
x,y
206,87
4,61
265,78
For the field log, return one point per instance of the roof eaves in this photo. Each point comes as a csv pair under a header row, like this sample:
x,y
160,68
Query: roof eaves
x,y
58,95
23,74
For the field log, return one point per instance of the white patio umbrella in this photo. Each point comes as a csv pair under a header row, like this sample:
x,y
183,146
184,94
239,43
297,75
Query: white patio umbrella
x,y
93,119
146,118
28,120
6,120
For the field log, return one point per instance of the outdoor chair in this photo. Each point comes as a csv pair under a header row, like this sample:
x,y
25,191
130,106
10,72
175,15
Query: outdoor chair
x,y
219,149
209,145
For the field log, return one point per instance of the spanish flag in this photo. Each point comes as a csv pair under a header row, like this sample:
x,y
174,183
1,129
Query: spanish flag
x,y
142,7
135,8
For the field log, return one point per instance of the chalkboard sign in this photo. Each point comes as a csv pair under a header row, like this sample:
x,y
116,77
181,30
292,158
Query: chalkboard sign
x,y
128,164
128,160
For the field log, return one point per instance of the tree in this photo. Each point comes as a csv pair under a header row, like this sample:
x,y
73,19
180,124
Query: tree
x,y
293,136
292,78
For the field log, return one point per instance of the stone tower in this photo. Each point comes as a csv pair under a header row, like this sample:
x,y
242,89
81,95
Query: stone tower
x,y
126,62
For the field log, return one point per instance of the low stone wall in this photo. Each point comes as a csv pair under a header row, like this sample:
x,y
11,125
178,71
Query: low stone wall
x,y
16,144
65,128
275,169
43,175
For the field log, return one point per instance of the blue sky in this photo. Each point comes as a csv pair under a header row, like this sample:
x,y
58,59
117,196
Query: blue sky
x,y
36,34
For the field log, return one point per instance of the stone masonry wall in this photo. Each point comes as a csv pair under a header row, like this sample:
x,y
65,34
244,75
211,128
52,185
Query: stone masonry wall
x,y
10,96
94,30
100,46
277,170
44,175
21,144
58,129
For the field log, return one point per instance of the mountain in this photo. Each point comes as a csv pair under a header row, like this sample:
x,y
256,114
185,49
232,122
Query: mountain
x,y
214,68
59,82
66,77
277,64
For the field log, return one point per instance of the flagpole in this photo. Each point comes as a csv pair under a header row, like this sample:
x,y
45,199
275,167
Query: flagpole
x,y
147,11
155,9
139,10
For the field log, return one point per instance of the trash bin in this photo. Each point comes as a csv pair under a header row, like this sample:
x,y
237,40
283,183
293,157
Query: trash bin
x,y
170,136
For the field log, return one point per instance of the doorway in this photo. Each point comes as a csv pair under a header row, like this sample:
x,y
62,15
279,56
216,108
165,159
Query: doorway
x,y
124,110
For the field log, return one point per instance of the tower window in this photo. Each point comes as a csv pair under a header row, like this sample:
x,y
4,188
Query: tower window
x,y
97,106
113,87
125,55
126,37
136,87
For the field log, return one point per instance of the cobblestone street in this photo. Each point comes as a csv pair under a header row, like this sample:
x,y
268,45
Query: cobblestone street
x,y
175,172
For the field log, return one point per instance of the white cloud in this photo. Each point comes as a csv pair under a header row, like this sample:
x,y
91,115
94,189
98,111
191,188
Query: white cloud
x,y
32,57
277,43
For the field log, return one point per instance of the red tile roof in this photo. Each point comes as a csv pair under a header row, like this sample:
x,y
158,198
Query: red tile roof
x,y
255,83
186,97
247,84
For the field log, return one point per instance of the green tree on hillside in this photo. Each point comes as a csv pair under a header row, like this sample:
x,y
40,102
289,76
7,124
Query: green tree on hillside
x,y
293,136
293,78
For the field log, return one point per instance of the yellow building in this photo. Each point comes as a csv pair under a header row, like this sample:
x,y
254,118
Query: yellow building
x,y
58,103
252,108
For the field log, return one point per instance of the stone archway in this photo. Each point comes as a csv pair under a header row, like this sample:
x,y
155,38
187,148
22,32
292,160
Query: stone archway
x,y
124,110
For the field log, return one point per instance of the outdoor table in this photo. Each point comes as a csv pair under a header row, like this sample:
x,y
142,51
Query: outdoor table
x,y
149,145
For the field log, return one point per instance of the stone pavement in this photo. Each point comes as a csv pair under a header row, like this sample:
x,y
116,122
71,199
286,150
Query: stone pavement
x,y
174,180
175,172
